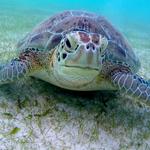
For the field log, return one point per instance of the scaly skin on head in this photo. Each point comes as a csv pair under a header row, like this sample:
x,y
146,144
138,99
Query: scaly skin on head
x,y
78,57
81,49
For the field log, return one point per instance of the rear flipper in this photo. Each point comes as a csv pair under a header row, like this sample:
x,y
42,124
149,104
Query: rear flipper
x,y
132,84
20,67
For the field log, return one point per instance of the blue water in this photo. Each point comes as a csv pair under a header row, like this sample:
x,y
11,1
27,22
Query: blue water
x,y
131,17
44,120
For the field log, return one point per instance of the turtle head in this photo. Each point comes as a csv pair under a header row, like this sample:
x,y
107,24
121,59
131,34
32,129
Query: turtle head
x,y
79,54
81,50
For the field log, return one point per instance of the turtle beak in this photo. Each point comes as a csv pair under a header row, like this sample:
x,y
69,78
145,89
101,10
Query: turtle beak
x,y
87,56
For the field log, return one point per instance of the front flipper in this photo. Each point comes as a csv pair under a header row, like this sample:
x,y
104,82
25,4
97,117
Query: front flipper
x,y
132,84
24,65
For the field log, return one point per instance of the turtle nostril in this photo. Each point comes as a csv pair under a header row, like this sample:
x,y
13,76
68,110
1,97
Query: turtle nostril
x,y
87,46
90,46
64,55
93,47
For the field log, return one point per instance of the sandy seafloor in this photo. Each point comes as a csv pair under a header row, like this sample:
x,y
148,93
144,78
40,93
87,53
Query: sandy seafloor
x,y
40,116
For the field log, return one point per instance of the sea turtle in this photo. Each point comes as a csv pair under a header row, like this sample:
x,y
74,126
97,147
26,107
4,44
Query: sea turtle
x,y
81,51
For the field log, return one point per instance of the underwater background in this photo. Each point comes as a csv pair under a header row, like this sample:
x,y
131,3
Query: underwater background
x,y
132,18
47,117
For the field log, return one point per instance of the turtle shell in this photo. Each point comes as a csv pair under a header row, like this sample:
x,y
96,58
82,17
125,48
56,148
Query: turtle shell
x,y
49,33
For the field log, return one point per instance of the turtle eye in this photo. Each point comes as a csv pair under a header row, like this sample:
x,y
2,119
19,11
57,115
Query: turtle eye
x,y
68,44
